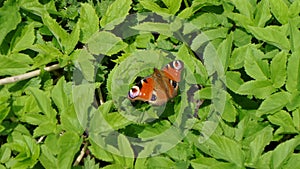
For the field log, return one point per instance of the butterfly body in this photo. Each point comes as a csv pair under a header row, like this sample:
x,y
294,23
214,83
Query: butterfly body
x,y
159,87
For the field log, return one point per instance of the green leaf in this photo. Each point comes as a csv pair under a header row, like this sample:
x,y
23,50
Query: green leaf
x,y
258,88
293,161
263,13
233,80
160,162
59,33
255,66
35,7
294,102
284,121
89,22
152,6
89,163
241,38
69,144
126,151
258,142
85,64
44,129
209,20
293,73
161,28
266,34
278,69
99,152
205,162
59,94
280,10
221,147
24,39
44,103
296,119
110,46
283,152
238,57
5,153
10,10
47,159
11,66
244,7
294,34
273,103
115,13
172,5
224,51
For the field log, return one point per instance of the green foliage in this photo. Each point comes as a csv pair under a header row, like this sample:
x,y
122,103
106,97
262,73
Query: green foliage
x,y
244,53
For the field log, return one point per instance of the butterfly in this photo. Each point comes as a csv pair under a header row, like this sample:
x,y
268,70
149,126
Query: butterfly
x,y
159,87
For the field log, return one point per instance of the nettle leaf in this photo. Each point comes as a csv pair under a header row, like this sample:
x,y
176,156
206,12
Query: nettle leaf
x,y
160,162
255,66
233,80
44,103
280,10
238,57
89,22
221,147
283,152
28,151
278,69
224,51
69,144
284,121
266,34
294,9
209,20
46,158
172,5
111,45
205,162
241,38
126,151
257,88
152,6
294,102
294,34
11,66
293,73
296,119
115,13
59,94
161,28
66,41
244,7
273,103
89,163
10,9
85,63
239,19
263,13
293,161
24,39
258,142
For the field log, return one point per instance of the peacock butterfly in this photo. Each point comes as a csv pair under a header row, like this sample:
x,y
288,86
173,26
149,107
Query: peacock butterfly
x,y
159,87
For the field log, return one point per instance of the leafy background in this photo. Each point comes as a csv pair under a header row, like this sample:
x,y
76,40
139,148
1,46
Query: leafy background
x,y
257,48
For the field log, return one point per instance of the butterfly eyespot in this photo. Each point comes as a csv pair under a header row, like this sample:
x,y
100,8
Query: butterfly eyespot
x,y
178,65
173,83
153,97
134,92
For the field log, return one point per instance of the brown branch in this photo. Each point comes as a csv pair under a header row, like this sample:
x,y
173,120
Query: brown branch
x,y
28,75
82,152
